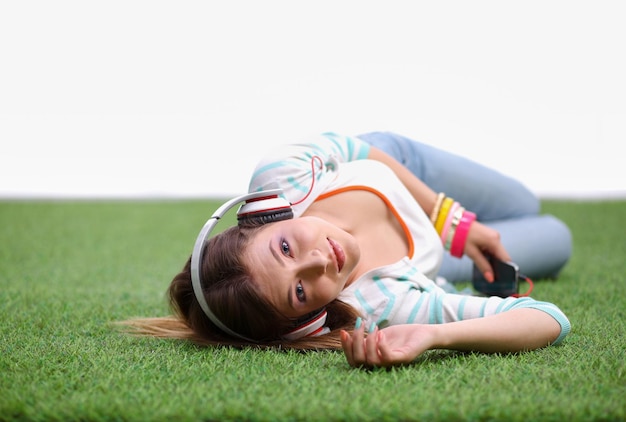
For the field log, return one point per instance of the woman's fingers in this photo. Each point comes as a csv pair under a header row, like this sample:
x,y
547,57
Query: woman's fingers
x,y
484,240
353,345
481,262
347,344
384,350
371,347
361,350
394,345
358,345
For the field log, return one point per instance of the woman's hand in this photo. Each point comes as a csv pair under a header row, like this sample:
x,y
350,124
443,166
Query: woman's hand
x,y
394,345
507,332
483,240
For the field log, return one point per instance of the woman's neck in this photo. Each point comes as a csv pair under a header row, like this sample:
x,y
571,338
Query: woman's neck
x,y
366,216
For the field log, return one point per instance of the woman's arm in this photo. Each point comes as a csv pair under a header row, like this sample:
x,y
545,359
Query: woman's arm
x,y
480,239
513,331
424,195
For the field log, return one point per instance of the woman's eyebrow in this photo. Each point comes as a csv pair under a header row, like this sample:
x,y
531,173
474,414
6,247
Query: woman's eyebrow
x,y
280,260
278,257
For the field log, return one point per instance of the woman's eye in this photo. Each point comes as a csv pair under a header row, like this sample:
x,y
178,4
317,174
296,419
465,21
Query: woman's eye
x,y
284,247
300,292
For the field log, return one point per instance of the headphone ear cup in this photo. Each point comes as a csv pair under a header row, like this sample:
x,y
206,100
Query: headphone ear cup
x,y
263,210
310,325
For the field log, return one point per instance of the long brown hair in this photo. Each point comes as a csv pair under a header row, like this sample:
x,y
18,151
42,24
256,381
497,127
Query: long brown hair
x,y
234,298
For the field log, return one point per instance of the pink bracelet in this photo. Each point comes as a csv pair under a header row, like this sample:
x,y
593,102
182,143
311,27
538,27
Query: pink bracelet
x,y
458,243
448,223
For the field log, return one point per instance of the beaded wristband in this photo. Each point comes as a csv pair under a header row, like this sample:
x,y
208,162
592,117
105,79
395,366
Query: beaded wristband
x,y
435,213
448,223
460,236
456,219
443,214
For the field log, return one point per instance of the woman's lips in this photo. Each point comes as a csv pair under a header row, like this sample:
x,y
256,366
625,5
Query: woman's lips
x,y
339,254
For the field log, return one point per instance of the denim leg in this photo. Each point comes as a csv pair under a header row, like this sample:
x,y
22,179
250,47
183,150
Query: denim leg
x,y
484,191
539,244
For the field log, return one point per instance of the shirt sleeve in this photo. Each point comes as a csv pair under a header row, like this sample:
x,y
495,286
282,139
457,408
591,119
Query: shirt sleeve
x,y
306,169
421,301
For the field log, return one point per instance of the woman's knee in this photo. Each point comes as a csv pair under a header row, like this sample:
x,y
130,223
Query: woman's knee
x,y
389,142
540,245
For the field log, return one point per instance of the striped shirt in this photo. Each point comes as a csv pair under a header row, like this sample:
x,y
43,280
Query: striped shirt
x,y
402,292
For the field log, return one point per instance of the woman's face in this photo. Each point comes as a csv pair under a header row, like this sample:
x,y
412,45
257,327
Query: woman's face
x,y
301,264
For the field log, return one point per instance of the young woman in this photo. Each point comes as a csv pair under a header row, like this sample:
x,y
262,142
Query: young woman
x,y
355,267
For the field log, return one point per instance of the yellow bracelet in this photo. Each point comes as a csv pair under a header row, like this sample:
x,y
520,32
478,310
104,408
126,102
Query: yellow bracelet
x,y
443,214
435,213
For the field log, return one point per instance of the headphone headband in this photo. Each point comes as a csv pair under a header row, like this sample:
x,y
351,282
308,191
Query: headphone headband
x,y
200,245
263,204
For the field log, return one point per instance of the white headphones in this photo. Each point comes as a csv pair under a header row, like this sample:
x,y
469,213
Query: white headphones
x,y
264,206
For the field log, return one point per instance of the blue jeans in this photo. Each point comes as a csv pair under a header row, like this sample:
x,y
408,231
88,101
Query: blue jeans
x,y
539,244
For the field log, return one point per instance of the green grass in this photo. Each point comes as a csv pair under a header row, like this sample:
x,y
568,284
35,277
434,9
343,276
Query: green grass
x,y
69,268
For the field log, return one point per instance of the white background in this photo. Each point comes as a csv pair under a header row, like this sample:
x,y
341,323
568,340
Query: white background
x,y
179,98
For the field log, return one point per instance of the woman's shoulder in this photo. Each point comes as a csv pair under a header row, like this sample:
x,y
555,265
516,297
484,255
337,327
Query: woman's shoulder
x,y
325,146
380,292
306,168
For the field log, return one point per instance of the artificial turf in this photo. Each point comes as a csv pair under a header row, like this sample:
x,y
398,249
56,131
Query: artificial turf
x,y
68,269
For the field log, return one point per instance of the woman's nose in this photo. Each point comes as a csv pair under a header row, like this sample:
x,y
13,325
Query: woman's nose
x,y
314,264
